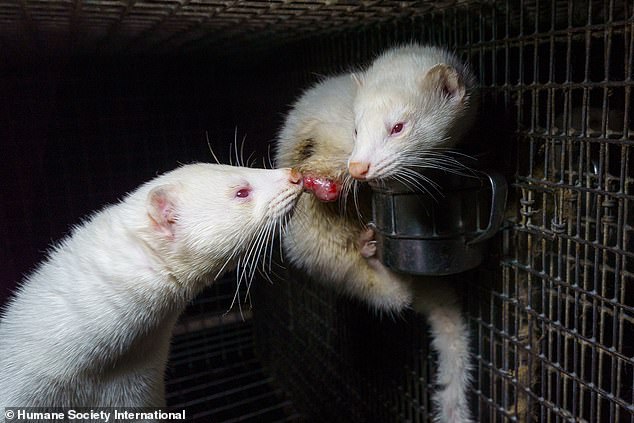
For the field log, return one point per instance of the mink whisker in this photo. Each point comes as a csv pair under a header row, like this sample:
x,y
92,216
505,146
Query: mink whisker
x,y
211,150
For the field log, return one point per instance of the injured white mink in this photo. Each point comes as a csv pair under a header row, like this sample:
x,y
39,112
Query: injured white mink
x,y
335,247
322,238
91,326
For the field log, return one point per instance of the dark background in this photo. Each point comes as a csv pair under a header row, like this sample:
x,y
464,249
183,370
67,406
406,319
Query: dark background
x,y
98,97
79,132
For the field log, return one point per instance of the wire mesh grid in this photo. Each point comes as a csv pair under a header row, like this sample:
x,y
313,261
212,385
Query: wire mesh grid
x,y
214,373
551,312
336,366
224,27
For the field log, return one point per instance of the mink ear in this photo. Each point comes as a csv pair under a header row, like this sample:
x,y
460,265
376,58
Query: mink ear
x,y
447,80
358,79
161,207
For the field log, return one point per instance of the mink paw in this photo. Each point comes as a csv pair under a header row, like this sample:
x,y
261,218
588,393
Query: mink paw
x,y
367,243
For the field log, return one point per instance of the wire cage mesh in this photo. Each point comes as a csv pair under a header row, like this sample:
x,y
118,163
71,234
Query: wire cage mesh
x,y
551,311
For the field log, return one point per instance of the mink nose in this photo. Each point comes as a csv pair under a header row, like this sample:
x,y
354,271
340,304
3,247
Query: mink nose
x,y
295,177
358,170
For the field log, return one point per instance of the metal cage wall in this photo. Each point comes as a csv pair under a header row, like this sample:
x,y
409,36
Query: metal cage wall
x,y
551,311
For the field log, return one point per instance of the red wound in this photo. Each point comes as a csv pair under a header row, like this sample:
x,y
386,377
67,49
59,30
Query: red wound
x,y
324,189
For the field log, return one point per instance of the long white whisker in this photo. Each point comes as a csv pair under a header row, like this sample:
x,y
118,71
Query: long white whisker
x,y
251,160
253,246
211,150
264,245
263,242
276,228
235,295
355,196
410,180
438,162
242,149
343,196
232,256
235,146
244,274
279,226
268,154
282,232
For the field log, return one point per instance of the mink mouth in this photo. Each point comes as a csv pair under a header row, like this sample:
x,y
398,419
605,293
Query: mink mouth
x,y
325,189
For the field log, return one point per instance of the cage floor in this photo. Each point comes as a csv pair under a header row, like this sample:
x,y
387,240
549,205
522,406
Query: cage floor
x,y
215,375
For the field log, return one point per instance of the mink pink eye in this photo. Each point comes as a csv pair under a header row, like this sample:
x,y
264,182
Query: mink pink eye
x,y
243,193
397,128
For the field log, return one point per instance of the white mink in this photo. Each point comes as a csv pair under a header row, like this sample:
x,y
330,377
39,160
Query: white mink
x,y
412,104
332,247
322,240
91,326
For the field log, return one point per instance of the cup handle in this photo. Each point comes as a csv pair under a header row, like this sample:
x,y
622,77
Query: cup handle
x,y
499,192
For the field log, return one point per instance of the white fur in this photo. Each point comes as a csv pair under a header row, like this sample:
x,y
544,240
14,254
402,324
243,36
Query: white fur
x,y
450,339
91,325
428,90
320,239
329,245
